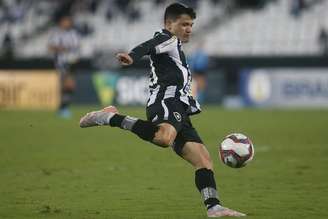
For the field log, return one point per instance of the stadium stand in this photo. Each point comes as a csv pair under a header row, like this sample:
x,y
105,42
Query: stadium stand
x,y
273,27
273,30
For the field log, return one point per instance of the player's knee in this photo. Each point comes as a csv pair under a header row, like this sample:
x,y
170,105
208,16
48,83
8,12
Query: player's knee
x,y
165,140
164,137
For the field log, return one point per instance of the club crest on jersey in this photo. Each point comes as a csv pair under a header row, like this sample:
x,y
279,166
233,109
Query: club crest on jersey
x,y
177,116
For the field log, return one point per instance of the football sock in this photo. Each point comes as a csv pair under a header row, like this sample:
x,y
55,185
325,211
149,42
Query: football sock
x,y
144,129
205,182
65,99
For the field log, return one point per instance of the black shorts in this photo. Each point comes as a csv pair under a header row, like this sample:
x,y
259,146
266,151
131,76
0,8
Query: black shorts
x,y
66,69
174,112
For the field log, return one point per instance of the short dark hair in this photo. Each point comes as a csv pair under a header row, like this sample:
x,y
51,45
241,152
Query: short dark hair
x,y
175,10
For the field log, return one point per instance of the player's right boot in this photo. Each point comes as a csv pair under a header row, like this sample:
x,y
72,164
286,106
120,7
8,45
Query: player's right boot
x,y
220,211
98,118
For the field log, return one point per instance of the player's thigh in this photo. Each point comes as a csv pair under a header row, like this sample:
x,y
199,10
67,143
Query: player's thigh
x,y
165,135
169,115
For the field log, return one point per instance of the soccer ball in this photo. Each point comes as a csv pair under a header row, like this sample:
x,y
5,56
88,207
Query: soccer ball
x,y
236,150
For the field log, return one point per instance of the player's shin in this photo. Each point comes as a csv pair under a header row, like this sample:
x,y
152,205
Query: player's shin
x,y
66,99
144,129
205,182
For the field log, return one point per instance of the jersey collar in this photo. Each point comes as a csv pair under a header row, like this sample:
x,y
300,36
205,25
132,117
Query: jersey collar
x,y
167,32
170,34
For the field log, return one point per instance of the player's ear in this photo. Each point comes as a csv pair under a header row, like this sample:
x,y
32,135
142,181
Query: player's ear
x,y
168,24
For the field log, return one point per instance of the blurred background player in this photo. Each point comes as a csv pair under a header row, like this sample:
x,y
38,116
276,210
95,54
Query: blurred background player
x,y
64,43
170,104
199,67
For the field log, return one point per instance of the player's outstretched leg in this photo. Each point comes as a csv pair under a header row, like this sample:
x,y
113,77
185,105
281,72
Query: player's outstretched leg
x,y
109,116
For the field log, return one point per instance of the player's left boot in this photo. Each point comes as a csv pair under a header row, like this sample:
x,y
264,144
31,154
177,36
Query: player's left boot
x,y
98,118
220,211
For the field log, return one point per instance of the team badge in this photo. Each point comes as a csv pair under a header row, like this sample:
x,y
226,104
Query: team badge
x,y
177,116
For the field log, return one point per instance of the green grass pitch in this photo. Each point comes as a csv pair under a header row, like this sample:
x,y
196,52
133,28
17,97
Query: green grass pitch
x,y
51,168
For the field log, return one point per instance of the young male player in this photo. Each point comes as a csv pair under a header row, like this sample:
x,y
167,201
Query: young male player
x,y
170,104
64,44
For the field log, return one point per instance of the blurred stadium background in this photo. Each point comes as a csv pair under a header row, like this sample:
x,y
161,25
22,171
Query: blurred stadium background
x,y
261,52
267,77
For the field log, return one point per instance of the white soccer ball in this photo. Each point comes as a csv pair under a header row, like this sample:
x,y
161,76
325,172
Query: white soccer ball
x,y
236,150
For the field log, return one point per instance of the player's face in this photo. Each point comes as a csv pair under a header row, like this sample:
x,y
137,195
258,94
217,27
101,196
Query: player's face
x,y
181,27
66,23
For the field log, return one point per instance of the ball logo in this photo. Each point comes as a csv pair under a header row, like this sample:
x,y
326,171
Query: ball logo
x,y
177,116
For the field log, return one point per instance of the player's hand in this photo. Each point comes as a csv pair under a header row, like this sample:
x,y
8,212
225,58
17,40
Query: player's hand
x,y
124,58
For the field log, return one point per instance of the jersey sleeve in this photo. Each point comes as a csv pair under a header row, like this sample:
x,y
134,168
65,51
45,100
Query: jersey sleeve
x,y
161,43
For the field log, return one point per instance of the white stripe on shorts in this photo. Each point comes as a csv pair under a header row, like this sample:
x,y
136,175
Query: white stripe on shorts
x,y
153,96
166,110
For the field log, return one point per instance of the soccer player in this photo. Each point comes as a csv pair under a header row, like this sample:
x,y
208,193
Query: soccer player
x,y
170,104
64,43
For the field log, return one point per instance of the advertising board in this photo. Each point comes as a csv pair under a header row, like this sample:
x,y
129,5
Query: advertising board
x,y
29,89
285,87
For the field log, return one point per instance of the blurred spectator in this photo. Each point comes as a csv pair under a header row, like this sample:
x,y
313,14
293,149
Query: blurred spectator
x,y
323,41
126,7
133,15
93,5
123,5
64,43
64,8
89,6
199,67
84,29
7,48
15,11
109,14
159,2
215,2
190,3
253,4
297,7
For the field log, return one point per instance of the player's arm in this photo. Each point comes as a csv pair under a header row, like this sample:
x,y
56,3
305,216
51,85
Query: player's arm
x,y
159,44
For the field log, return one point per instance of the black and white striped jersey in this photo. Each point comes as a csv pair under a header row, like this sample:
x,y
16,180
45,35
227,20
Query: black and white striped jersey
x,y
170,75
68,39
